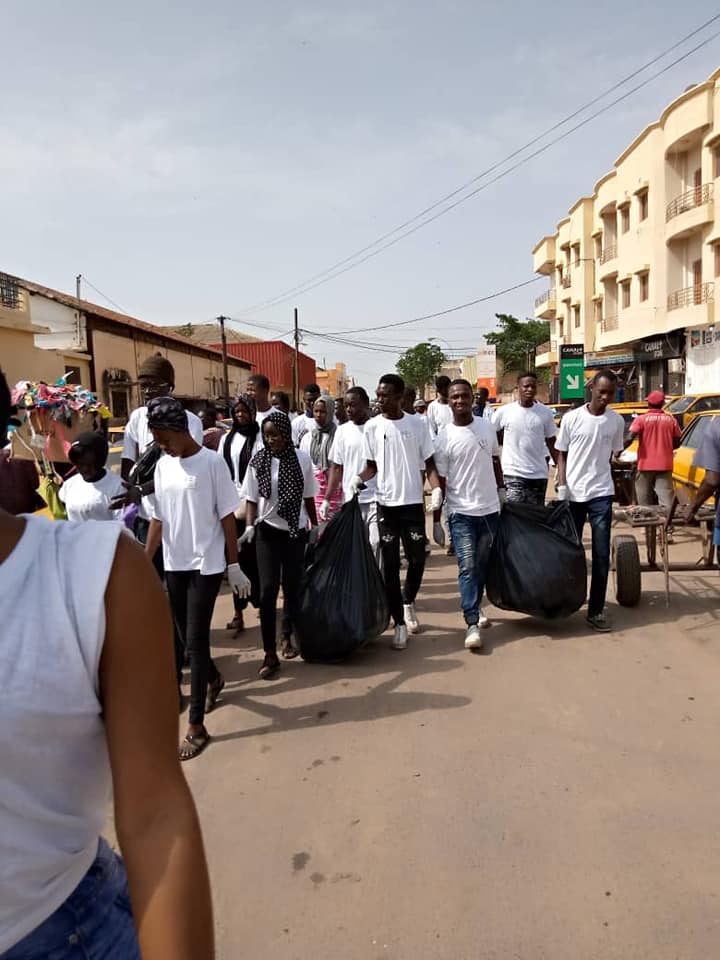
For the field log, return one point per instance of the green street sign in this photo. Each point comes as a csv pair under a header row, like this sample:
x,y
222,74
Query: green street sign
x,y
572,371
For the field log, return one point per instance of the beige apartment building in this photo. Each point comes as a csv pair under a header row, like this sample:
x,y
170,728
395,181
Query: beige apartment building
x,y
631,270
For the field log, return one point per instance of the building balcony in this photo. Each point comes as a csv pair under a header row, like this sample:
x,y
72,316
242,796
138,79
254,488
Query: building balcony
x,y
566,280
693,296
15,306
609,323
689,212
546,354
608,261
544,256
608,253
545,304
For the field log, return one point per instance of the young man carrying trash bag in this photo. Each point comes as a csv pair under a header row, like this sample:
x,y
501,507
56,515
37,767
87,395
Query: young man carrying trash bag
x,y
343,602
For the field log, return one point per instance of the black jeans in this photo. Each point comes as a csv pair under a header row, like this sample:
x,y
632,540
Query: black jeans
x,y
407,525
248,565
280,560
192,600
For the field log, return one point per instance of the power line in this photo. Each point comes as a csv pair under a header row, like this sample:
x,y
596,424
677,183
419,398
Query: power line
x,y
104,296
348,263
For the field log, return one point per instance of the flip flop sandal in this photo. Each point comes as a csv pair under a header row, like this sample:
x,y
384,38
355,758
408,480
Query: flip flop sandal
x,y
214,690
269,669
287,650
193,746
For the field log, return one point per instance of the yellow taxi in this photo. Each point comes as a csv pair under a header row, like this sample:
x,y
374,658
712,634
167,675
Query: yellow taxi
x,y
116,436
628,411
559,410
686,476
687,407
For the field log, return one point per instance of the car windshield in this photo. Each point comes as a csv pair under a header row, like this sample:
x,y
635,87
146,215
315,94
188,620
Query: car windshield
x,y
680,405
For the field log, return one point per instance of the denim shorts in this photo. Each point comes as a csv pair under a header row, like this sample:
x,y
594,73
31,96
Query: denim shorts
x,y
94,923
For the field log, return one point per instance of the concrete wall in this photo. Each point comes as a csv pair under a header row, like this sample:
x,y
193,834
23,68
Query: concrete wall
x,y
20,359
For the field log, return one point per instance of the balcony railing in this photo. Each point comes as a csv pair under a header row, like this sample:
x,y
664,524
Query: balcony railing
x,y
608,253
695,197
609,323
543,348
691,296
10,293
548,297
566,280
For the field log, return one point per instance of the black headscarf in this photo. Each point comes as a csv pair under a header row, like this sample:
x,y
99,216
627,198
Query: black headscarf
x,y
90,442
167,413
249,431
291,482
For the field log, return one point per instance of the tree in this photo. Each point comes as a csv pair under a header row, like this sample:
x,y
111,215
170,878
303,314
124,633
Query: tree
x,y
517,340
418,365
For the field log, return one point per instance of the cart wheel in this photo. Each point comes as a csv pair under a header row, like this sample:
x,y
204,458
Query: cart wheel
x,y
626,563
651,545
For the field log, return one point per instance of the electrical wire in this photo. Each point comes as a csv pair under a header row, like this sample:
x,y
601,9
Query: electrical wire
x,y
347,264
84,279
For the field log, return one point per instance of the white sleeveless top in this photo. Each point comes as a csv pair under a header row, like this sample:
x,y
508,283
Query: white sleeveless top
x,y
54,769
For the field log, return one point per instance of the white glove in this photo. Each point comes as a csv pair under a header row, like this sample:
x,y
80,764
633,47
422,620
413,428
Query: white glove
x,y
563,492
436,498
324,511
439,534
356,485
502,496
247,537
237,580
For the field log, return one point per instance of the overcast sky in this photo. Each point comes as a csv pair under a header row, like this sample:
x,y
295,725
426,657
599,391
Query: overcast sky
x,y
194,159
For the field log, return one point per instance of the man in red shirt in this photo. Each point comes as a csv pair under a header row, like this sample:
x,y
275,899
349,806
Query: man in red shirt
x,y
658,433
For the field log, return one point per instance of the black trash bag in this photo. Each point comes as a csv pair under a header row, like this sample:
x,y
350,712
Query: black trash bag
x,y
537,564
342,596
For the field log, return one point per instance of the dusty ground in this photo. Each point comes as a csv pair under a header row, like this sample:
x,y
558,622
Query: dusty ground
x,y
553,798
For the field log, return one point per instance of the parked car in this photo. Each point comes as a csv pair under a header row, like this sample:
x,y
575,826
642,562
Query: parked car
x,y
686,476
687,407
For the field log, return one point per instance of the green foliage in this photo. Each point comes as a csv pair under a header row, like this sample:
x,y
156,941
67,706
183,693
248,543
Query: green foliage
x,y
516,340
418,365
186,330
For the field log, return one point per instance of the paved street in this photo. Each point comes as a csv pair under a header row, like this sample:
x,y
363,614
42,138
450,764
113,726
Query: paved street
x,y
553,798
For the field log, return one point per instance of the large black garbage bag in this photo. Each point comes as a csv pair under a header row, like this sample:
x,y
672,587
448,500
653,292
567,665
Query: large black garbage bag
x,y
537,563
342,600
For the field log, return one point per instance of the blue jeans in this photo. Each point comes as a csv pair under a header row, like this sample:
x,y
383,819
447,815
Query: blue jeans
x,y
599,513
94,923
472,538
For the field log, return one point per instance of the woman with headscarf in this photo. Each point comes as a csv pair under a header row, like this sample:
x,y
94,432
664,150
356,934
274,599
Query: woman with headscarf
x,y
280,493
88,493
194,518
318,443
237,448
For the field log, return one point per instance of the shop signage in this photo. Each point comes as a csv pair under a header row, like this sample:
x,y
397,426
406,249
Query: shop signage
x,y
572,371
658,348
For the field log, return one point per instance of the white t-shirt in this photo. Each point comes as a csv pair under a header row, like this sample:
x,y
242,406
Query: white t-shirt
x,y
526,429
236,447
488,412
300,426
400,449
138,437
91,501
349,452
261,414
463,455
192,495
268,507
438,414
589,442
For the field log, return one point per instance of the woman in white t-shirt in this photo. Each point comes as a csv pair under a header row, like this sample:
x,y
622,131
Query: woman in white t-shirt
x,y
280,492
88,710
88,493
237,448
194,518
318,444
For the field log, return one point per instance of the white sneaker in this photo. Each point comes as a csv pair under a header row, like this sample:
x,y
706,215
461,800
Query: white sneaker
x,y
410,617
473,640
400,640
483,621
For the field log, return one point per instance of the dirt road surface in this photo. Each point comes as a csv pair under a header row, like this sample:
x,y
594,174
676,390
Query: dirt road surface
x,y
555,797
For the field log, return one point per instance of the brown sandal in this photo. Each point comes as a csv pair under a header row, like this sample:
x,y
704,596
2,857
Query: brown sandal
x,y
287,650
193,745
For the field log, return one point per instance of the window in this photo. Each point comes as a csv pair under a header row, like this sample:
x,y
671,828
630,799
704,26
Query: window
x,y
644,281
625,287
576,254
643,206
625,219
598,247
598,311
716,160
716,249
72,374
696,432
576,316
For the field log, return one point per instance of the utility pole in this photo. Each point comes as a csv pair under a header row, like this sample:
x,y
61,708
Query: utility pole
x,y
78,279
221,320
296,363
